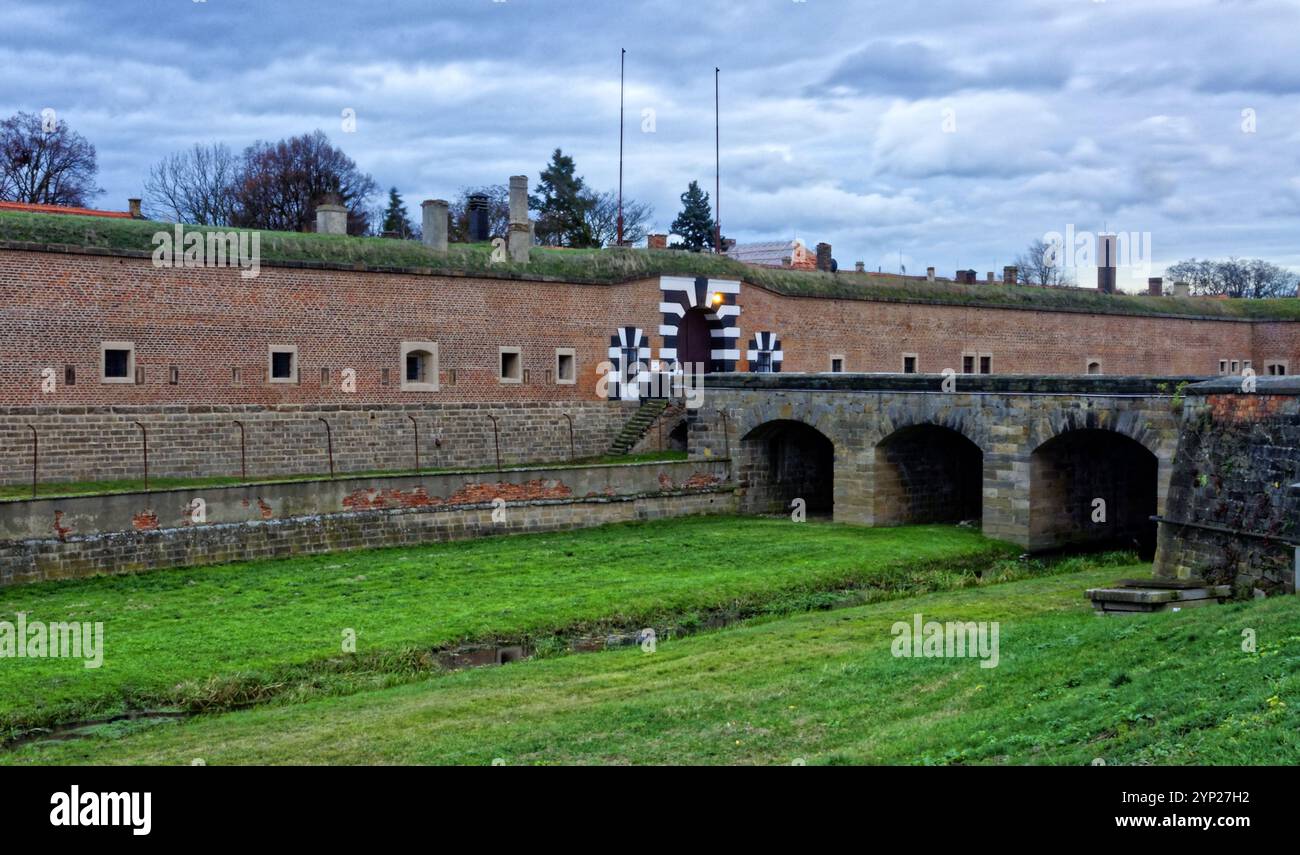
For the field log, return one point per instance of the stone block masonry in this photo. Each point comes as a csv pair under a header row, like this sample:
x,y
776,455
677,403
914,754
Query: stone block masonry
x,y
1233,512
105,443
157,549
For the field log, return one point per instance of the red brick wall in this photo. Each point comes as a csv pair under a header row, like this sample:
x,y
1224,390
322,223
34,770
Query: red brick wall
x,y
56,308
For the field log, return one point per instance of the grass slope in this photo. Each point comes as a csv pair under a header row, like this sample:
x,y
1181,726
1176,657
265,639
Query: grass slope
x,y
220,636
816,688
606,266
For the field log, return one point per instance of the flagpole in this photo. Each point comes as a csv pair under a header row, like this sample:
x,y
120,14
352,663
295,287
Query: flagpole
x,y
621,61
717,169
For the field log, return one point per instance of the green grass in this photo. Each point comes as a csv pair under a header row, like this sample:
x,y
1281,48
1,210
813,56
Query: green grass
x,y
819,688
607,266
18,492
222,636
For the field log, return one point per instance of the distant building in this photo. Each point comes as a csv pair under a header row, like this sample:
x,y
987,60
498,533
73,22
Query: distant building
x,y
776,253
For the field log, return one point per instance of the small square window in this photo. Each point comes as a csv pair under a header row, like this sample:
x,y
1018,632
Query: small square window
x,y
383,377
324,376
512,365
282,363
173,375
1223,366
234,375
566,366
909,363
1094,366
419,366
986,363
69,375
117,362
837,364
968,363
1236,366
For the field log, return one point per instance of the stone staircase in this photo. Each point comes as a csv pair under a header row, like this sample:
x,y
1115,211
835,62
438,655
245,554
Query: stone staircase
x,y
637,426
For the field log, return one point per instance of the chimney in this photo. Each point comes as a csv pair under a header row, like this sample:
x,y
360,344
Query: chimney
x,y
1155,286
824,257
1182,289
520,239
478,217
929,274
133,205
988,277
1009,274
1106,264
433,220
331,219
859,267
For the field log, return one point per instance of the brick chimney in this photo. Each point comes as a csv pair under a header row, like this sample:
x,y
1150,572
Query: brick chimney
x,y
133,205
433,221
1010,274
331,219
1182,289
1106,264
1155,286
929,274
988,277
860,267
656,242
824,257
520,237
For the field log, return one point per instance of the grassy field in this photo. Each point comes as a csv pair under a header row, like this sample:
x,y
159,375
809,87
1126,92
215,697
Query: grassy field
x,y
217,637
606,266
818,688
18,492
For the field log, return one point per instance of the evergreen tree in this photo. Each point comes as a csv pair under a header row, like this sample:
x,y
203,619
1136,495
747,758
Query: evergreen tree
x,y
396,220
562,204
694,225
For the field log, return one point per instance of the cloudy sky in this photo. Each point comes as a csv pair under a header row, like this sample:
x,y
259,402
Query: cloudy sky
x,y
950,133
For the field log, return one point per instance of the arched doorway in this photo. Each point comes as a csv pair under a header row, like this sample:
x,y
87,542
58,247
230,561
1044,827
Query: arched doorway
x,y
695,340
784,460
928,474
1093,488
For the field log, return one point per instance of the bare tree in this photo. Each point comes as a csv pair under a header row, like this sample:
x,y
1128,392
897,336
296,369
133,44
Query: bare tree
x,y
1044,265
194,186
1236,277
602,219
280,184
45,162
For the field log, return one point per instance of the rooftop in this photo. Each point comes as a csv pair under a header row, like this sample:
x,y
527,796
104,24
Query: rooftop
x,y
121,236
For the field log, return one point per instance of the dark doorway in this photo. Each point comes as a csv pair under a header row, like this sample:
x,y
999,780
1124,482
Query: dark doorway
x,y
694,339
784,460
928,474
1093,488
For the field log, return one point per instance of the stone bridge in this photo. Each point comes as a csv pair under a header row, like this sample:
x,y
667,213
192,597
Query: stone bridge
x,y
1044,462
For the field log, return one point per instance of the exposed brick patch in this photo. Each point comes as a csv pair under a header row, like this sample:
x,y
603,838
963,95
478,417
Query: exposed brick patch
x,y
475,494
146,520
264,509
1244,407
701,480
364,499
60,530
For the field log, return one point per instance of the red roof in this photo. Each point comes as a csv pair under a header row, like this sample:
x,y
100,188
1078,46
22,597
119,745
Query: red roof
x,y
61,209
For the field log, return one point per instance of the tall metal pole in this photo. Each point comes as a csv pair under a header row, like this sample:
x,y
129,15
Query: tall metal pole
x,y
621,61
717,169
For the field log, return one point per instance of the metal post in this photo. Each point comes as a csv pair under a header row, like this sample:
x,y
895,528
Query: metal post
x,y
243,452
726,433
572,455
329,443
621,59
144,431
496,440
35,456
416,425
717,169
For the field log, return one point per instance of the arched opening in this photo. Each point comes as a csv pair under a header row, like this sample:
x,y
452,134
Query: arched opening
x,y
678,437
784,460
1093,488
695,339
928,474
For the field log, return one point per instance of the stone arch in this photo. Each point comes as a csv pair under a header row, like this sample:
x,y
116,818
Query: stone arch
x,y
1094,486
927,473
781,460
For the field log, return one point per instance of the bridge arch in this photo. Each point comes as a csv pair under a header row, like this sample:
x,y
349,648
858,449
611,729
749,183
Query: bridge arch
x,y
1096,487
781,460
927,473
